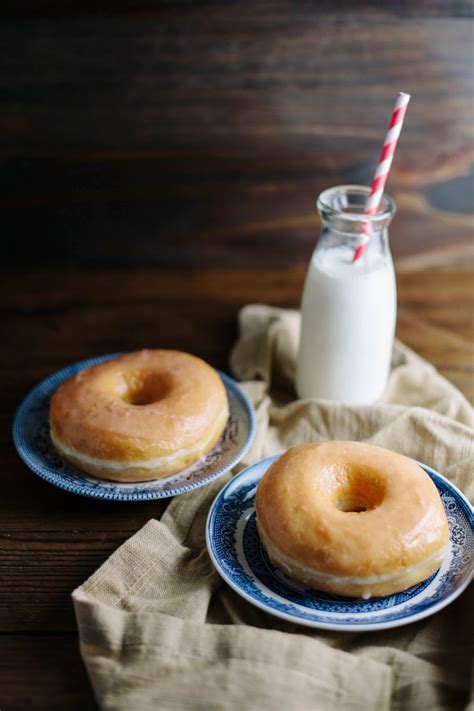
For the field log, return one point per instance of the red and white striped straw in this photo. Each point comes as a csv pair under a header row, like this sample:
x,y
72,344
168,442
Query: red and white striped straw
x,y
383,167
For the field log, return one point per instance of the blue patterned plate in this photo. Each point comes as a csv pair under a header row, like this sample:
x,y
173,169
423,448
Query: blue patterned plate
x,y
32,440
234,546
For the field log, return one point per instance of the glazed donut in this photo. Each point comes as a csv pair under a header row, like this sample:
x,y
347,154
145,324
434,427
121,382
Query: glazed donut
x,y
140,416
351,519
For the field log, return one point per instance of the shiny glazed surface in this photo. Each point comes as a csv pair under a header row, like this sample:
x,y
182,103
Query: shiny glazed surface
x,y
161,407
351,518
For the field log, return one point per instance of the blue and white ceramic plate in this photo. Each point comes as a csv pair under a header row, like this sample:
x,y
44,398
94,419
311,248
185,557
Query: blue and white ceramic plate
x,y
234,546
33,442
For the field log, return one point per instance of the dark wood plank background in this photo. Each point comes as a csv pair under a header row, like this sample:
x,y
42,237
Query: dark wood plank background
x,y
200,133
160,165
50,540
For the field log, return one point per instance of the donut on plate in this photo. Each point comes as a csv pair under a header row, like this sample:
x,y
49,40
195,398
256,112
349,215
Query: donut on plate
x,y
140,416
351,519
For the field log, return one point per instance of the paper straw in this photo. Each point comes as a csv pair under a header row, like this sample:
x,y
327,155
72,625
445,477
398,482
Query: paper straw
x,y
383,167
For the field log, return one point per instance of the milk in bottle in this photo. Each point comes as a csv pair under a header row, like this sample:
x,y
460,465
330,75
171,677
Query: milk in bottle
x,y
348,309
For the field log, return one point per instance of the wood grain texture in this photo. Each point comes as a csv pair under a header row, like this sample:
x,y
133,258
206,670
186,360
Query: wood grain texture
x,y
198,135
50,541
397,8
186,134
44,673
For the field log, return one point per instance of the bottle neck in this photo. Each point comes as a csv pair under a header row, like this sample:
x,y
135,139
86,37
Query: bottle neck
x,y
335,247
345,224
332,237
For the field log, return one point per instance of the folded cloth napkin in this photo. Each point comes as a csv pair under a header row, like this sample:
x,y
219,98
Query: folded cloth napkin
x,y
160,630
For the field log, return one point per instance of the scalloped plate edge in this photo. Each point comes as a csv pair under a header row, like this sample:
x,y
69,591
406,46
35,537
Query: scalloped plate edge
x,y
108,494
328,625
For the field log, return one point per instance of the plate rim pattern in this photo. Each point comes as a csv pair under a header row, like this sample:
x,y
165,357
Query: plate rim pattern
x,y
270,604
30,456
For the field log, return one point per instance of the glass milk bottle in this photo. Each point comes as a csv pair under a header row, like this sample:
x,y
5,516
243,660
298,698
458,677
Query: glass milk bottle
x,y
348,308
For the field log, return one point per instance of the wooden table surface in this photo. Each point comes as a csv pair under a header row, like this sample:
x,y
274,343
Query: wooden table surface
x,y
177,133
50,541
138,135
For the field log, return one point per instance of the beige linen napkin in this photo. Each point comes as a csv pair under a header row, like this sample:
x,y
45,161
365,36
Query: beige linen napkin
x,y
160,630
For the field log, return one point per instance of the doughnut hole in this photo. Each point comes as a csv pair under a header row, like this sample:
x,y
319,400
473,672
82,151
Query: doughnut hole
x,y
142,387
358,490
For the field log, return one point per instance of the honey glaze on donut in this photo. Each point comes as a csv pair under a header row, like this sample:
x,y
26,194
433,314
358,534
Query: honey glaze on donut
x,y
351,519
139,416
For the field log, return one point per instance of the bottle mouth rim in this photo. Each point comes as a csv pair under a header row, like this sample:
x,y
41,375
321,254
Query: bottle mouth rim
x,y
325,204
